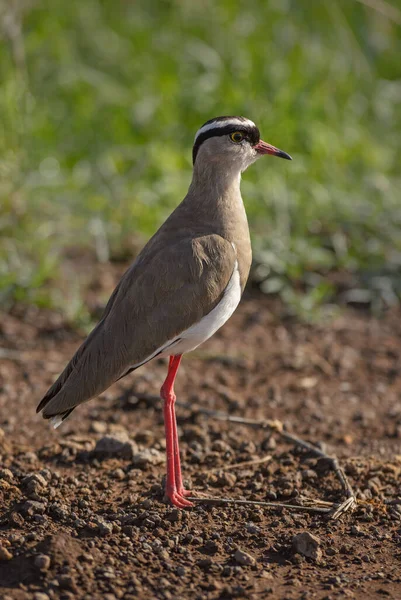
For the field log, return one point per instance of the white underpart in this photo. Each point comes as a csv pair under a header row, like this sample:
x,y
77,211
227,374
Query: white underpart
x,y
210,323
197,334
218,124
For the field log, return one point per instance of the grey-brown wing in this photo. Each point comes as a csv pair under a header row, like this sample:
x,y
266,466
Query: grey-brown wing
x,y
154,302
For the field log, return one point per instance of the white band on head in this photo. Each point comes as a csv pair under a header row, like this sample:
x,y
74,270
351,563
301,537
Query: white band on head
x,y
224,123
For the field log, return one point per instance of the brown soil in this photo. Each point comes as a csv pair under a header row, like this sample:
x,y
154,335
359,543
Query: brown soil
x,y
75,523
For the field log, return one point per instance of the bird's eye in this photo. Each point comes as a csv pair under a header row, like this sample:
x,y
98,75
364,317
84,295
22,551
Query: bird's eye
x,y
237,137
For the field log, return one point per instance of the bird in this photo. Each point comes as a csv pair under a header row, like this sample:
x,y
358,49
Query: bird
x,y
181,288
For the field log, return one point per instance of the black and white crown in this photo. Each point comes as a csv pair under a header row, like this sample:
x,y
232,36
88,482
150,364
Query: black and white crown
x,y
224,126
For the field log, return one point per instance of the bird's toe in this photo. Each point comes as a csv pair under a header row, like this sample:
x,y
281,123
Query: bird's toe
x,y
178,500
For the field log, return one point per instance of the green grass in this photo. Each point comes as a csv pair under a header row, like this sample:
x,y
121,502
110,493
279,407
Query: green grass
x,y
99,102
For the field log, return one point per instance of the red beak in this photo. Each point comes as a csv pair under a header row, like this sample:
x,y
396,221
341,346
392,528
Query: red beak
x,y
265,148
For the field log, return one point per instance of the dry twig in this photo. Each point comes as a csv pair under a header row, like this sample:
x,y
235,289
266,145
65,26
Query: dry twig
x,y
333,511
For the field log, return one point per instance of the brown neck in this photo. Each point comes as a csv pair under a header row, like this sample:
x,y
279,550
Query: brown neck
x,y
213,205
214,199
215,181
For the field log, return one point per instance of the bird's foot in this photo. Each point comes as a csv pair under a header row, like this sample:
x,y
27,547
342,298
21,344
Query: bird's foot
x,y
184,493
177,498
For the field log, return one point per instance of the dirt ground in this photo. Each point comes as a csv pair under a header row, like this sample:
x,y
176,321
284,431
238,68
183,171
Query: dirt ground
x,y
82,511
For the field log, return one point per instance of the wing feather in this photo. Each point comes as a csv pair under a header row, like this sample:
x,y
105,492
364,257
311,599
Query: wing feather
x,y
159,297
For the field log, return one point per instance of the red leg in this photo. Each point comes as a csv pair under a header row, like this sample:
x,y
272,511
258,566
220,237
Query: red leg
x,y
174,488
177,461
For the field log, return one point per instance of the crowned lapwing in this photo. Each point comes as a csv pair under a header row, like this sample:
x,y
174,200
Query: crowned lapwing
x,y
183,286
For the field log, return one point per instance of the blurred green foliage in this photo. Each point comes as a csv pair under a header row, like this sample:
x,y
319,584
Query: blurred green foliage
x,y
99,102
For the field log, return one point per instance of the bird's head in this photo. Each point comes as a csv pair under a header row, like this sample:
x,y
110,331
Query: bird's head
x,y
232,142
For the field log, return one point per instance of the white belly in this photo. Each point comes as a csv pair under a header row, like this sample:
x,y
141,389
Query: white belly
x,y
197,334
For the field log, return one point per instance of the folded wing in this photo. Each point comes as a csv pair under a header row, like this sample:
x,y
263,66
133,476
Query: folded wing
x,y
157,298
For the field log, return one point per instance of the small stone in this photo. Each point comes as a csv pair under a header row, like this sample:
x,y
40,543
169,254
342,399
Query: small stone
x,y
174,516
249,447
374,485
163,554
7,475
149,456
266,575
42,562
34,484
116,444
16,520
144,437
34,478
40,596
98,427
32,507
225,479
221,447
5,554
269,443
355,530
204,563
103,527
46,473
243,558
307,383
309,474
30,457
252,528
118,474
308,545
58,512
66,582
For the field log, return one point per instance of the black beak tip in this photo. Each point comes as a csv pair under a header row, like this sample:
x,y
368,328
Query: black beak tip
x,y
282,154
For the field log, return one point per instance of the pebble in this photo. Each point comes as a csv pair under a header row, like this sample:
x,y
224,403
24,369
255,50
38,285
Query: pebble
x,y
66,582
308,545
225,479
46,473
40,596
174,515
221,447
59,512
116,444
32,507
7,475
103,527
269,443
144,437
148,456
34,483
249,447
5,554
118,474
98,427
30,457
34,477
252,528
244,558
42,562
